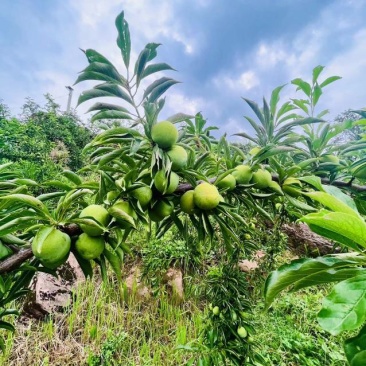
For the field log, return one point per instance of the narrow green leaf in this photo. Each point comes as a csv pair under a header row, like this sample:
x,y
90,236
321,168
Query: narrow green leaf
x,y
141,63
256,110
72,177
108,114
122,216
338,193
160,90
84,264
106,106
115,263
329,81
316,72
28,201
302,85
7,326
152,69
316,94
123,39
275,98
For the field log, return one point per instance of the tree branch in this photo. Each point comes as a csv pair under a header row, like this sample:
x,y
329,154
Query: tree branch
x,y
15,260
18,258
21,256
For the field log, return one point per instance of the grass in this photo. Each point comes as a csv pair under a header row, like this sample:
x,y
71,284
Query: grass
x,y
102,329
290,335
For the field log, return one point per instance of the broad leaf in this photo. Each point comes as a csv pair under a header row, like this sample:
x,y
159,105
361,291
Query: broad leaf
x,y
305,272
355,345
332,203
344,308
342,227
336,192
313,181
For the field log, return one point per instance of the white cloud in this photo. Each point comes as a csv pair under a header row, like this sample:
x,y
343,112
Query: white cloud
x,y
269,55
232,126
148,21
177,102
247,80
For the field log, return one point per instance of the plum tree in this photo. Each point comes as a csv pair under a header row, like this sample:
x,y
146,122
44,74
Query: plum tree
x,y
130,180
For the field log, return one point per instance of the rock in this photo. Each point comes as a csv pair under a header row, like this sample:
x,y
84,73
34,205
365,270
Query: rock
x,y
50,294
247,265
174,281
250,265
135,286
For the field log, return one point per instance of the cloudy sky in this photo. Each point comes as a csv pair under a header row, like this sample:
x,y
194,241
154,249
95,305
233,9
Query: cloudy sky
x,y
223,50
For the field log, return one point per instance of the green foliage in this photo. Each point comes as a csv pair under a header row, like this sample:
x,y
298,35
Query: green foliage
x,y
343,308
108,351
228,326
44,142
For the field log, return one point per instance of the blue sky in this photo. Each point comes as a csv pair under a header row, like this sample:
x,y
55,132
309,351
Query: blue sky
x,y
223,50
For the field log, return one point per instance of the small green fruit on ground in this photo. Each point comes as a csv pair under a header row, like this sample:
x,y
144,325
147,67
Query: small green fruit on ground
x,y
229,182
89,247
206,196
252,225
187,202
128,209
51,246
165,134
247,236
143,195
178,156
163,185
216,310
262,179
242,174
98,213
242,332
161,210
